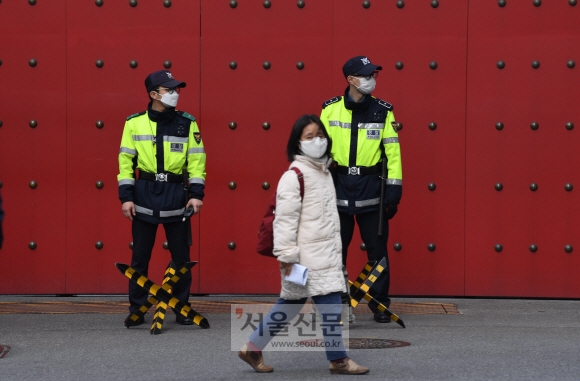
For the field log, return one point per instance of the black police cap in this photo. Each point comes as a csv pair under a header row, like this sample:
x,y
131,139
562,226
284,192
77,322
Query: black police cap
x,y
162,78
360,65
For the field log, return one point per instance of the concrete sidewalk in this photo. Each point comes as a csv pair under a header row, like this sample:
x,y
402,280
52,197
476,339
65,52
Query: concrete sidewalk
x,y
488,340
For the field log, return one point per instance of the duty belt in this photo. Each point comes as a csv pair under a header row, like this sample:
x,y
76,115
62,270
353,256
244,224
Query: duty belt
x,y
167,177
356,171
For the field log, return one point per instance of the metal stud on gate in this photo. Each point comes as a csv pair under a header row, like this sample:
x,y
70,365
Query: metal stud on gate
x,y
572,2
233,65
232,185
300,4
232,245
167,3
498,247
133,3
570,64
33,123
400,4
32,2
33,184
499,126
363,246
99,184
131,245
32,62
99,3
233,3
533,248
568,187
432,187
133,64
167,64
366,4
398,126
501,3
568,249
500,64
100,124
99,245
432,126
534,126
300,65
431,247
0,123
32,245
99,63
433,65
267,65
537,3
265,185
434,3
399,65
569,126
535,64
266,126
533,187
498,187
233,125
1,184
397,246
166,245
267,4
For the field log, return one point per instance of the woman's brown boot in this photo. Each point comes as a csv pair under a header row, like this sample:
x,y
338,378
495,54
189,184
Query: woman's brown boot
x,y
255,360
347,366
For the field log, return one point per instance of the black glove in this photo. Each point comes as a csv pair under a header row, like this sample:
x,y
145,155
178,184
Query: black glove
x,y
391,210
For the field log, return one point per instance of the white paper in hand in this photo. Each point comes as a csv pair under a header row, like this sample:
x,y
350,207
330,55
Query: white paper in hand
x,y
298,275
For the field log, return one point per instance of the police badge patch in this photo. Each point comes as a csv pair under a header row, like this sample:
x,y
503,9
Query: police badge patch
x,y
373,134
176,147
197,137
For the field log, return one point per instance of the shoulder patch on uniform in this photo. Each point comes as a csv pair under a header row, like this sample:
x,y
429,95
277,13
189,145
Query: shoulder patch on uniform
x,y
331,101
386,105
187,115
137,114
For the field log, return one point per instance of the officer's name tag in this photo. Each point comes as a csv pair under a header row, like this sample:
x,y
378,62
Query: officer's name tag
x,y
176,147
373,134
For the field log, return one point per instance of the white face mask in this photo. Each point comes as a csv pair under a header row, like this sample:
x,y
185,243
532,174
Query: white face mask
x,y
169,100
314,148
366,85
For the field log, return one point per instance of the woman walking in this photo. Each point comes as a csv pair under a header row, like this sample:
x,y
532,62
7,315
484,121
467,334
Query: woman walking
x,y
307,232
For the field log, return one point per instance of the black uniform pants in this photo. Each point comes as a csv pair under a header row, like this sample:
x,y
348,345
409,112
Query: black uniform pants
x,y
368,224
143,241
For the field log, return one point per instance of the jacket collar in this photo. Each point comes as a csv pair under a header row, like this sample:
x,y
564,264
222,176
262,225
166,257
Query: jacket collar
x,y
352,105
321,164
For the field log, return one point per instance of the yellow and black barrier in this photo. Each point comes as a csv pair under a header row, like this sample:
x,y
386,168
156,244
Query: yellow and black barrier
x,y
161,294
360,289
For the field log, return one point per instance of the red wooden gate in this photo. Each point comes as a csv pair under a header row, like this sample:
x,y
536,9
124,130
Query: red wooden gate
x,y
485,91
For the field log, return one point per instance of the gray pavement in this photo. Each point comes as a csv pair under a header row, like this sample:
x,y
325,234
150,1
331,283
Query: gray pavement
x,y
489,340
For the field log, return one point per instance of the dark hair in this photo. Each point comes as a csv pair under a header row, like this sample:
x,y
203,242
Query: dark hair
x,y
292,148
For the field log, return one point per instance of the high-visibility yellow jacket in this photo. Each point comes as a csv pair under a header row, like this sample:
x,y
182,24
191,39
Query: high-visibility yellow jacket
x,y
156,143
362,133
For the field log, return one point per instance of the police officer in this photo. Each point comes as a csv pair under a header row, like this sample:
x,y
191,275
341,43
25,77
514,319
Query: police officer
x,y
160,143
363,131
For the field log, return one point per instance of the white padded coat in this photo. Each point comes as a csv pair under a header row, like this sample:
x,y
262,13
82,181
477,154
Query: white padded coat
x,y
308,232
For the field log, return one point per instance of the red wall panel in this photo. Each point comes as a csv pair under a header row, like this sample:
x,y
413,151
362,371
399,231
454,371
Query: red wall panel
x,y
415,36
517,155
33,93
116,34
251,95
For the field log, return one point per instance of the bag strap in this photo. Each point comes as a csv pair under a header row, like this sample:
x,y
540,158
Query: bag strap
x,y
301,181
